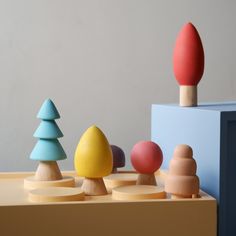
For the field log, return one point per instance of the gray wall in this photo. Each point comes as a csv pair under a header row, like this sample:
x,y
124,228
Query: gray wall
x,y
102,62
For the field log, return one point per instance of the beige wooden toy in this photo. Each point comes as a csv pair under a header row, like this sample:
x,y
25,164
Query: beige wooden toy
x,y
93,160
181,180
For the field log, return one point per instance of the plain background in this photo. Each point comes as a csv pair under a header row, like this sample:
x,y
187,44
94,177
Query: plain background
x,y
102,62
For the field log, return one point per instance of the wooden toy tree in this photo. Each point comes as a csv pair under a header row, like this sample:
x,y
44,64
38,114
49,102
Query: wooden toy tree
x,y
146,158
118,158
182,181
93,160
188,64
48,150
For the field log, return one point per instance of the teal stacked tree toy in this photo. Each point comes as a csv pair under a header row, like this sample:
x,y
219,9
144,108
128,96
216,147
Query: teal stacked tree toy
x,y
48,150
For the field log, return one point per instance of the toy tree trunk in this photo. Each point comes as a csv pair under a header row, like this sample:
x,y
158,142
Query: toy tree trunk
x,y
48,171
114,170
146,179
188,96
94,186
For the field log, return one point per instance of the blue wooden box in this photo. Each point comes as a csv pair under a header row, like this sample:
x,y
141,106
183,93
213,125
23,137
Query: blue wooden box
x,y
210,129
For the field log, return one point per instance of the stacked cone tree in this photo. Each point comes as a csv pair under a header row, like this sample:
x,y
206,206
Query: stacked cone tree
x,y
48,150
182,181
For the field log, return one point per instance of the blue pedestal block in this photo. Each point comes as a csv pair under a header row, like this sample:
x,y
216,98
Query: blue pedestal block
x,y
210,130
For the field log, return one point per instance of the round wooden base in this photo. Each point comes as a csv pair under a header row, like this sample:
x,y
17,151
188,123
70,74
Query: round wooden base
x,y
175,196
120,179
138,192
56,194
32,183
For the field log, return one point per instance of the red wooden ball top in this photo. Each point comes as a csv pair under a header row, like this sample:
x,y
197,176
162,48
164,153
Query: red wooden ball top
x,y
188,57
146,157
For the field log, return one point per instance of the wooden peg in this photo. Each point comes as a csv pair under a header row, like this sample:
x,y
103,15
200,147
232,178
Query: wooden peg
x,y
146,179
94,186
48,171
188,96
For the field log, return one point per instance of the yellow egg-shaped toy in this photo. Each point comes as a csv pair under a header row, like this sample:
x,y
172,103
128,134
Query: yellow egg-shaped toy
x,y
93,155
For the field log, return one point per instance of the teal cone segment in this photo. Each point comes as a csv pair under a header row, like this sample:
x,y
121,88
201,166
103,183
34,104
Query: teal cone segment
x,y
48,130
48,150
48,147
48,111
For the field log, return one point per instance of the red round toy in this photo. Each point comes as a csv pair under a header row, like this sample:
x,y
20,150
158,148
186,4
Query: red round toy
x,y
146,157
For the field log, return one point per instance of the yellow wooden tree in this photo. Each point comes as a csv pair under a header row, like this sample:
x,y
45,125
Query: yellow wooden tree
x,y
93,160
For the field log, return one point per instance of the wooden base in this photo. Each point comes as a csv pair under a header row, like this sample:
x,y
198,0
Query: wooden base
x,y
188,96
146,179
31,183
138,192
94,187
48,171
194,217
56,194
120,179
176,196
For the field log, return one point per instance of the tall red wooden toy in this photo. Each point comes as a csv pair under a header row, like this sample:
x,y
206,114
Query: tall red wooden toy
x,y
188,64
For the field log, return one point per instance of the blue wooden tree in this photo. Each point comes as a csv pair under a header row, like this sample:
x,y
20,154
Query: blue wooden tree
x,y
48,149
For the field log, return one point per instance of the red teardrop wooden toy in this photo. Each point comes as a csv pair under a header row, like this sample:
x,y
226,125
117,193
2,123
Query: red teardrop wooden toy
x,y
188,63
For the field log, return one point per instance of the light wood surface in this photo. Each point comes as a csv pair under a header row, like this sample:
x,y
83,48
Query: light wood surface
x,y
56,194
141,217
138,192
31,183
120,179
175,196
